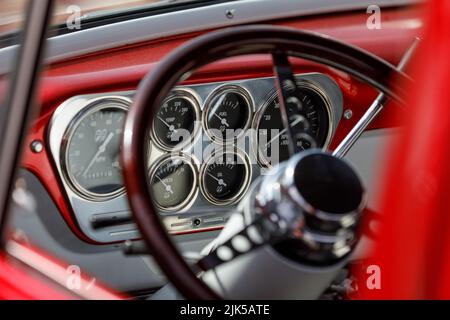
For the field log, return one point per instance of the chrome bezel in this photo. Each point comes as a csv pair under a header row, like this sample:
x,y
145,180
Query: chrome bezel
x,y
273,95
219,91
191,196
247,179
191,97
92,106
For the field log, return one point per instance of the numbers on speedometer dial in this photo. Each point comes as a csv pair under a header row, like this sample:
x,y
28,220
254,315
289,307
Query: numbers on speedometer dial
x,y
93,147
173,182
311,113
175,123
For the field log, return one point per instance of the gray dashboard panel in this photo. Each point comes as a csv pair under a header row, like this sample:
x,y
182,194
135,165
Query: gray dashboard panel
x,y
207,215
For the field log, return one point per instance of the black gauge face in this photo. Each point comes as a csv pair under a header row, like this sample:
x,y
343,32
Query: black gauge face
x,y
310,113
228,114
92,154
224,178
173,183
174,123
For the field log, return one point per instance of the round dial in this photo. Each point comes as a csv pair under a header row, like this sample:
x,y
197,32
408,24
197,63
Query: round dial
x,y
173,183
93,148
228,113
310,113
175,121
225,177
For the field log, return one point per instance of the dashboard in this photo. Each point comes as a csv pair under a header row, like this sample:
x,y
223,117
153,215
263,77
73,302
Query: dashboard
x,y
74,87
207,143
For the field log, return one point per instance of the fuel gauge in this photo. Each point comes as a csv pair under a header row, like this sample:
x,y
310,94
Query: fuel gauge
x,y
227,113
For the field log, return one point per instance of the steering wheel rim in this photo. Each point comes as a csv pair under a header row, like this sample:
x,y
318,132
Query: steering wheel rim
x,y
199,52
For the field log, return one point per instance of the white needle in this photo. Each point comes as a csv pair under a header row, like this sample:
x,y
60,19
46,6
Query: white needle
x,y
170,126
100,150
293,123
216,106
167,186
222,120
219,181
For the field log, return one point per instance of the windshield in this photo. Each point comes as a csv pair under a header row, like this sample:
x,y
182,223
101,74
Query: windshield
x,y
71,13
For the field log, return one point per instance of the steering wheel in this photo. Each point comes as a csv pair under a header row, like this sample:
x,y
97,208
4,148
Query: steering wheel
x,y
279,42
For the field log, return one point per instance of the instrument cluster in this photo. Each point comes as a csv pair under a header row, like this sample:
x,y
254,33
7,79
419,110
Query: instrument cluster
x,y
206,144
223,175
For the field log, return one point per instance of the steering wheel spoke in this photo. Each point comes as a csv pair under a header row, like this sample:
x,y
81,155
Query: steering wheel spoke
x,y
262,231
289,101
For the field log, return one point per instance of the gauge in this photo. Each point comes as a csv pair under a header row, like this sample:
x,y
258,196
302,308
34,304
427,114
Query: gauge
x,y
227,113
175,123
93,147
225,177
173,182
311,112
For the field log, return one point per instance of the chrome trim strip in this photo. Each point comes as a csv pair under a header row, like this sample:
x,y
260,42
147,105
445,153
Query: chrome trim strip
x,y
186,21
375,108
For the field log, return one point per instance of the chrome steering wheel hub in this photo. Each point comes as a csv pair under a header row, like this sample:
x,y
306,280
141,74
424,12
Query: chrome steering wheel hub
x,y
317,200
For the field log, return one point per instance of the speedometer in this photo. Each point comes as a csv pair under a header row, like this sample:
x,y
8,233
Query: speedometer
x,y
92,146
311,113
